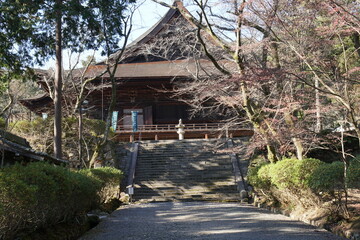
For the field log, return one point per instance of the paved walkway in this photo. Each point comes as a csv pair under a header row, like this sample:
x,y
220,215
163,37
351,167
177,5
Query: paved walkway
x,y
201,220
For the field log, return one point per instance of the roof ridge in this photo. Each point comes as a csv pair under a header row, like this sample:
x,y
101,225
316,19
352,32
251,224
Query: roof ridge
x,y
155,29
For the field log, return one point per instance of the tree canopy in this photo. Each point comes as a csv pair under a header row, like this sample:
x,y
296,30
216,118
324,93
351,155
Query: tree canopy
x,y
27,28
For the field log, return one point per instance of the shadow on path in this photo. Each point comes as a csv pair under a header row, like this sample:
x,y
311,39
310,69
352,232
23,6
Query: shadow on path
x,y
202,220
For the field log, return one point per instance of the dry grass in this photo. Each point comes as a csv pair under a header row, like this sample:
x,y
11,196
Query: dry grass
x,y
354,202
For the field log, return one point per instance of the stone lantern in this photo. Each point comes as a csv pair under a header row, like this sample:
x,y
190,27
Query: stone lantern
x,y
180,130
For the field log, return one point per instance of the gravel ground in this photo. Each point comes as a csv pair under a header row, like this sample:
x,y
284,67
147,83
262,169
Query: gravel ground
x,y
201,220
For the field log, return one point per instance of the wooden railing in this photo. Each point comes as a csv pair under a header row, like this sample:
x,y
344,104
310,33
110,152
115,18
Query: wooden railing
x,y
188,127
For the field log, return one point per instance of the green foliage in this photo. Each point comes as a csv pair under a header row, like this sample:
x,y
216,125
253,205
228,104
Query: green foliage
x,y
264,175
328,177
109,179
282,173
344,52
254,178
353,179
26,25
25,127
304,169
40,195
106,175
299,176
2,123
94,127
40,135
288,173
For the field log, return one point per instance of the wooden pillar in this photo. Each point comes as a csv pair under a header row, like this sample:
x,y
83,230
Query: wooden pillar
x,y
206,136
156,137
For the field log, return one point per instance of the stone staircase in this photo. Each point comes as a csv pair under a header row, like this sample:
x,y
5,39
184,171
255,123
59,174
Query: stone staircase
x,y
186,170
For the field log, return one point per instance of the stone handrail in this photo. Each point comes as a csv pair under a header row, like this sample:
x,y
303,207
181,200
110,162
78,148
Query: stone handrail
x,y
238,174
131,176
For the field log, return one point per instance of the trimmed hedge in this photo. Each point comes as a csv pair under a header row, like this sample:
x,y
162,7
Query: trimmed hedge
x,y
304,174
109,180
287,173
40,195
328,177
256,178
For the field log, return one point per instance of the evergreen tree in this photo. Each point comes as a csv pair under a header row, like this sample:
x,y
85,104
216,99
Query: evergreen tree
x,y
33,30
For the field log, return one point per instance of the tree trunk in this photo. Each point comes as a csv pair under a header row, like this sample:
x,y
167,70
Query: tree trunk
x,y
80,138
346,165
256,121
296,141
318,126
58,84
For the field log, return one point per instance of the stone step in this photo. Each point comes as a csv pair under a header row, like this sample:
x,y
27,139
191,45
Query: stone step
x,y
187,196
195,189
180,167
164,162
178,154
167,184
184,157
226,173
183,177
178,193
185,164
184,193
183,170
187,179
212,197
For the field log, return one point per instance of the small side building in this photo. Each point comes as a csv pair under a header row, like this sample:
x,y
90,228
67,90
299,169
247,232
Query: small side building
x,y
14,149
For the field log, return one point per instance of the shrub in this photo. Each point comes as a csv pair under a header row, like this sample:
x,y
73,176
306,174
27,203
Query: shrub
x,y
353,180
264,176
282,173
40,195
106,175
109,179
287,173
304,169
254,179
328,177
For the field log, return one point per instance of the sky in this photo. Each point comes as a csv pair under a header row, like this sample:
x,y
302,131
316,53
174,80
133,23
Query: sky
x,y
146,16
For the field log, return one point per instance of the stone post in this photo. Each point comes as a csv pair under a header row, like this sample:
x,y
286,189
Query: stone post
x,y
180,130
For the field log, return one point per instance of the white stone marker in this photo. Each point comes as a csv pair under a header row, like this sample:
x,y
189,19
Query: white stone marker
x,y
180,130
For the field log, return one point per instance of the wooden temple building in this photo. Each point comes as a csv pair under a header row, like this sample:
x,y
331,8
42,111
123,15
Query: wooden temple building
x,y
145,79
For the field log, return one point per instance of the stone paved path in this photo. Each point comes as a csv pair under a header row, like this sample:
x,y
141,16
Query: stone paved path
x,y
201,220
